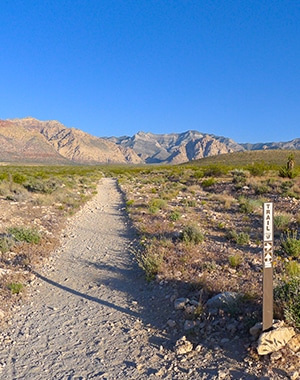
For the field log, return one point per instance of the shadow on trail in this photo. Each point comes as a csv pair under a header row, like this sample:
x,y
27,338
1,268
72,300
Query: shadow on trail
x,y
85,296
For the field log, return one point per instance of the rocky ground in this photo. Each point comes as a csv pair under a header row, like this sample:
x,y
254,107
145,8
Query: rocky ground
x,y
91,314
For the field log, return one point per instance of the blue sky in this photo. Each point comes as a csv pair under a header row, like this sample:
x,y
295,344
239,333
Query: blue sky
x,y
116,67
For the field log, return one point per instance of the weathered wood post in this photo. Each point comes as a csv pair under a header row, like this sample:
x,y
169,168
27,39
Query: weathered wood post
x,y
267,262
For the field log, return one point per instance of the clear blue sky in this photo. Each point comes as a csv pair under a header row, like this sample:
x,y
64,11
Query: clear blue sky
x,y
116,67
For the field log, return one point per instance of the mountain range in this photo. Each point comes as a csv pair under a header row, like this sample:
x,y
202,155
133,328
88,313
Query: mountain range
x,y
29,140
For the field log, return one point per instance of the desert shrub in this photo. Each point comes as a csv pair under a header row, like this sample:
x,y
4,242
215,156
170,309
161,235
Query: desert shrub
x,y
6,242
235,260
282,221
208,182
28,235
249,206
287,173
261,188
17,195
198,174
286,187
130,202
291,244
287,300
174,216
19,178
239,178
150,260
292,268
15,287
241,238
191,234
157,204
41,186
215,170
257,169
3,177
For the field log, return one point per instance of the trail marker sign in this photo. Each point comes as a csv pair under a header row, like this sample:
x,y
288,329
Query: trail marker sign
x,y
267,262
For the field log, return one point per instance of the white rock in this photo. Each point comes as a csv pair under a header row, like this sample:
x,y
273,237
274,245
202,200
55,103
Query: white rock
x,y
222,300
183,346
274,340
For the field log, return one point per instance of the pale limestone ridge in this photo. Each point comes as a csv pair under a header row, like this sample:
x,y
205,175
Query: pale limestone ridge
x,y
72,144
177,147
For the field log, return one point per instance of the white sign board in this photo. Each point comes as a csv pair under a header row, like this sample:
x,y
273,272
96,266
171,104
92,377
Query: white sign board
x,y
268,221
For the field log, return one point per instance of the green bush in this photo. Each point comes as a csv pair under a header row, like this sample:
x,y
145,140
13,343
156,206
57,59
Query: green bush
x,y
235,260
282,221
287,300
174,216
257,169
6,242
19,178
157,204
191,234
291,244
286,187
249,206
215,170
208,182
241,238
15,287
292,268
28,235
239,178
42,186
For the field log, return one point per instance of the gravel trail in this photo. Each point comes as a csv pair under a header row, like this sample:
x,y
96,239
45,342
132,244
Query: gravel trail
x,y
91,314
88,316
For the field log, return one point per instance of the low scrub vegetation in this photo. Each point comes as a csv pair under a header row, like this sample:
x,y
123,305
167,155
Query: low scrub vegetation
x,y
208,231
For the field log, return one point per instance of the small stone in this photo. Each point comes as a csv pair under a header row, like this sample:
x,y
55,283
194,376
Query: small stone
x,y
183,346
294,343
188,325
274,340
199,348
256,330
295,375
171,323
222,374
222,300
276,356
225,340
180,303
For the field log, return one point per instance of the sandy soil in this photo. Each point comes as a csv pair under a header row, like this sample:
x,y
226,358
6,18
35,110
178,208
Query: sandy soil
x,y
92,315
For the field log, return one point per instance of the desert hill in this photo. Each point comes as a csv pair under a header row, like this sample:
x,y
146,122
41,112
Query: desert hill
x,y
67,144
30,140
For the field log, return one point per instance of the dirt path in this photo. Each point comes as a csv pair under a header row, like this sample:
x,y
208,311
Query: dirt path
x,y
92,315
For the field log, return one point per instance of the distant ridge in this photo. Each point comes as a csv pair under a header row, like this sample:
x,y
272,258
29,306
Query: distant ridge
x,y
30,140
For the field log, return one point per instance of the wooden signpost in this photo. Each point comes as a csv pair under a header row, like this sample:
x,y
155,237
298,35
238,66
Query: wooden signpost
x,y
267,262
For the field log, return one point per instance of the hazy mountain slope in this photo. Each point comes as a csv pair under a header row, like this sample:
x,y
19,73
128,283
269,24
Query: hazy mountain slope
x,y
76,145
32,140
177,147
19,144
288,145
